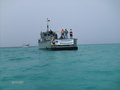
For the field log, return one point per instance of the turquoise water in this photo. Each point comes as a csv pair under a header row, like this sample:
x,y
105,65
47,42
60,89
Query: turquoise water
x,y
91,67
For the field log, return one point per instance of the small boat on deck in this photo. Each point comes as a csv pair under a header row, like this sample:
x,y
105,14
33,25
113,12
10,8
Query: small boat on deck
x,y
49,40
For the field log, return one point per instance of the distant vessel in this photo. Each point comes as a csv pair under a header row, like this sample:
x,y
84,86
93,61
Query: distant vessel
x,y
26,45
52,42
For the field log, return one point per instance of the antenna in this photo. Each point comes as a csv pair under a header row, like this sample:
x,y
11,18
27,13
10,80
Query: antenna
x,y
48,24
47,27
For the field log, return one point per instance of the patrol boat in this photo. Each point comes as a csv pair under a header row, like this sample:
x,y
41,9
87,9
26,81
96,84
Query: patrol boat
x,y
49,40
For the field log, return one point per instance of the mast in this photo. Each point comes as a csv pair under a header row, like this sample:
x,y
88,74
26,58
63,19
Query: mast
x,y
48,24
48,28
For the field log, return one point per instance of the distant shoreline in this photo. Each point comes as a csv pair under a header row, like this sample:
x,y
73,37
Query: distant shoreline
x,y
99,44
78,44
17,47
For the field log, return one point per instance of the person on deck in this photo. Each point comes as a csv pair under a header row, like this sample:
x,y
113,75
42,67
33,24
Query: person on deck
x,y
62,33
66,33
71,33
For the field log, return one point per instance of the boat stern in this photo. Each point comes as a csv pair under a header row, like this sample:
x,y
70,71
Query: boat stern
x,y
64,44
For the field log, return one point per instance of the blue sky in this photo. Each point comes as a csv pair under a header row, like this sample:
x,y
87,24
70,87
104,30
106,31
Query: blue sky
x,y
92,21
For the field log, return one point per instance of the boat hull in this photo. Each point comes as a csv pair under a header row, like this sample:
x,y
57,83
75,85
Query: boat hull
x,y
60,44
65,48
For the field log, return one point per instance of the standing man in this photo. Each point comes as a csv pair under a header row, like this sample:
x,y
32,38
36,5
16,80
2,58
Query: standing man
x,y
66,32
71,33
62,33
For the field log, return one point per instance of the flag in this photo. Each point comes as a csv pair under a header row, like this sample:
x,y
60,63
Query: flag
x,y
48,20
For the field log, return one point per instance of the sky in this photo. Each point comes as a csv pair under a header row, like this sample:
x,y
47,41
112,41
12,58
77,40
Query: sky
x,y
92,21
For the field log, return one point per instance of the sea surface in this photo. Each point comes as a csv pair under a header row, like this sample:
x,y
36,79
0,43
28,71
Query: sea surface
x,y
91,67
